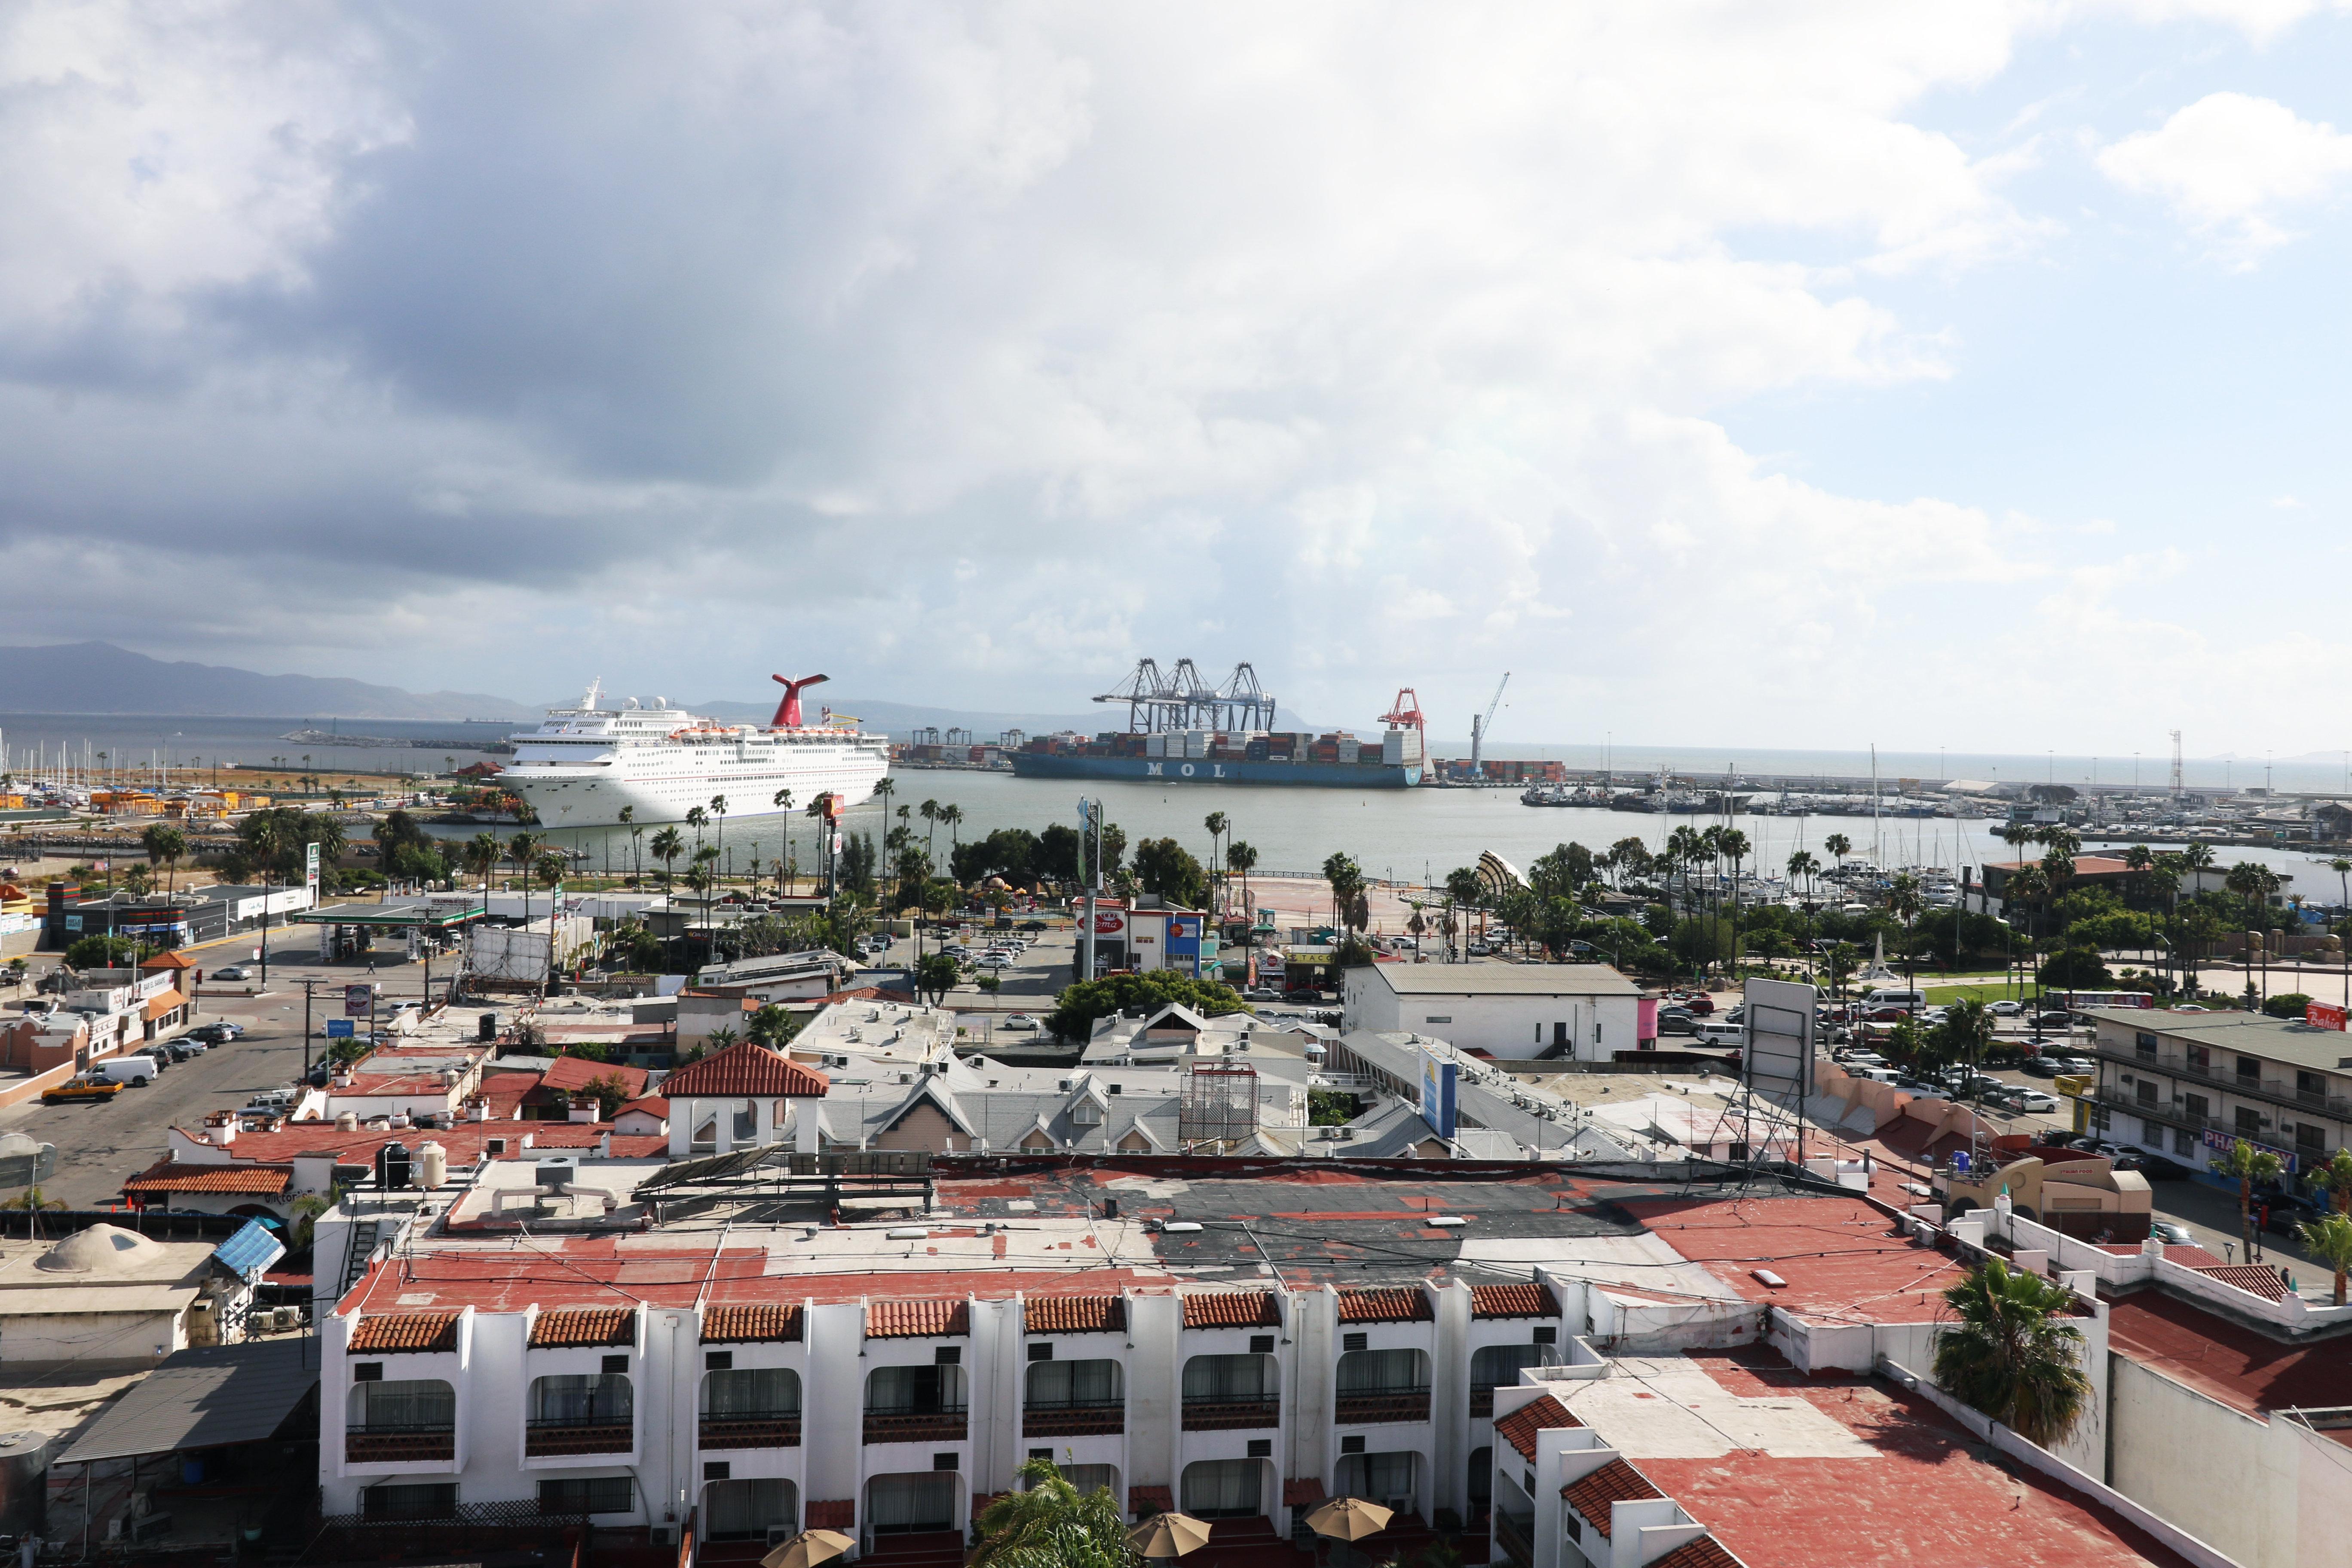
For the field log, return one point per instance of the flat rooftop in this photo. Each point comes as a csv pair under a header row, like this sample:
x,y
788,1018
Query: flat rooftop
x,y
1475,979
2227,1362
1838,1255
1791,1471
2287,1040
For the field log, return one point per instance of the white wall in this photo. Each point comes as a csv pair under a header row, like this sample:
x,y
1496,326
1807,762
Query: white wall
x,y
1507,1026
104,1339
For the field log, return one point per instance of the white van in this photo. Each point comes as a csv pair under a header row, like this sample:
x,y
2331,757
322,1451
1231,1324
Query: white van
x,y
1875,1075
1713,1034
130,1070
1910,1001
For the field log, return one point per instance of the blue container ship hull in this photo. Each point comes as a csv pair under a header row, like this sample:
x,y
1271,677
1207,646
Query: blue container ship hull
x,y
1196,770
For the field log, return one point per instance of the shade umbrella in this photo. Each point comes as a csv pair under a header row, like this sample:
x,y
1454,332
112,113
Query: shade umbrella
x,y
1168,1535
808,1549
1349,1519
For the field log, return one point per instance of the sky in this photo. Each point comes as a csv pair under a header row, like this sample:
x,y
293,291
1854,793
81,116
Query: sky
x,y
1793,376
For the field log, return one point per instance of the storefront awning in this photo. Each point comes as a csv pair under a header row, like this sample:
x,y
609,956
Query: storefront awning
x,y
163,1001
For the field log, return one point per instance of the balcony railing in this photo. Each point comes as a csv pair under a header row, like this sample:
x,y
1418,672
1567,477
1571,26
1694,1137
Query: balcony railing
x,y
915,1426
553,1439
1513,1535
1106,1418
1387,1407
2278,1091
1482,1401
1220,1415
399,1445
752,1429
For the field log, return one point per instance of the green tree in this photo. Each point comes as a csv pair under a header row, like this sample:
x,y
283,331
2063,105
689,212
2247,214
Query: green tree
x,y
1076,1010
2246,1164
772,1027
2336,1177
1464,891
102,951
1965,1034
1242,860
482,854
936,974
1051,1524
667,846
1164,867
167,846
1058,854
2014,1354
2328,1239
1216,822
609,1090
2287,1004
1839,847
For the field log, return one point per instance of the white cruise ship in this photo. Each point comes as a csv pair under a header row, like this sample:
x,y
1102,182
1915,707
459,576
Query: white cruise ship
x,y
583,764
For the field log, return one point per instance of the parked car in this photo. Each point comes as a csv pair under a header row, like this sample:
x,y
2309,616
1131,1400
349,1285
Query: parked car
x,y
1261,994
1887,1015
2038,1066
2039,1102
1922,1088
234,972
76,1090
1678,1021
1018,1021
213,1034
2171,1232
2155,1167
1864,1059
1031,925
2005,1008
2054,1018
130,1071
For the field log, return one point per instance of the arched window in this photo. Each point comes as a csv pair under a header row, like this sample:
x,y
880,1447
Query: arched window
x,y
749,1510
1073,1385
915,1390
752,1394
1225,1488
1228,1379
582,1399
1384,1372
421,1404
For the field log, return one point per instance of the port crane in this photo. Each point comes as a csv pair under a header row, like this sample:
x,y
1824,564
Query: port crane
x,y
1182,698
1480,727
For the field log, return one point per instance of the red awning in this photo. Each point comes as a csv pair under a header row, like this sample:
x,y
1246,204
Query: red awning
x,y
163,1001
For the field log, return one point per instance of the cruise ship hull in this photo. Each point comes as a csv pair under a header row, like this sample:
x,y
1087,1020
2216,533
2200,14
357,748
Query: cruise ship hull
x,y
1196,770
597,803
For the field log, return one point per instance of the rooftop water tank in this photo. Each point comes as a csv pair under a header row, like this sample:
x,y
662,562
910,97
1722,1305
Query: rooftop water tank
x,y
392,1166
432,1165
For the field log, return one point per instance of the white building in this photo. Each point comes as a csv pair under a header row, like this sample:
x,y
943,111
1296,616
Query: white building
x,y
1581,1011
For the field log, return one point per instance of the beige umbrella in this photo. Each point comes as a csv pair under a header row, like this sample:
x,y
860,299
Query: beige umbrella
x,y
1168,1535
1349,1519
808,1549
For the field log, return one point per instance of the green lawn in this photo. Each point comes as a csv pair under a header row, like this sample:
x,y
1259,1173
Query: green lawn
x,y
1980,991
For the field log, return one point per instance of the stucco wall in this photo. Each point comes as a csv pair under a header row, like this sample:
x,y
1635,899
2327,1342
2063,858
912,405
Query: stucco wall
x,y
2196,1462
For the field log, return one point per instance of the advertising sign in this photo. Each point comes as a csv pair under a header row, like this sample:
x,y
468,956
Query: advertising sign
x,y
1109,923
2222,1143
310,871
1437,1087
338,1028
1778,1059
2322,1015
357,1000
1184,943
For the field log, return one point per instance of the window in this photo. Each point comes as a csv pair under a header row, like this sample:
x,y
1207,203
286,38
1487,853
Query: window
x,y
2250,1123
2145,1090
578,1399
1439,1018
2311,1085
1482,1479
1224,1489
915,1390
2182,1143
599,1494
1496,1365
425,1404
2311,1141
1385,1478
2145,1045
1231,1378
2250,1069
1068,1384
2198,1107
1041,1350
1384,1372
1354,1342
2201,1059
433,1500
747,1510
752,1394
2152,1136
922,1501
1090,1479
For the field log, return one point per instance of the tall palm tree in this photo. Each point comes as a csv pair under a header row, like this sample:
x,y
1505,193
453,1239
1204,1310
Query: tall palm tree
x,y
667,846
271,834
1839,845
2328,1239
784,803
2027,886
628,819
952,814
1216,823
2015,1353
1734,847
698,819
1241,857
929,812
519,849
820,811
1804,867
2247,1164
168,846
2336,1177
719,809
481,855
551,864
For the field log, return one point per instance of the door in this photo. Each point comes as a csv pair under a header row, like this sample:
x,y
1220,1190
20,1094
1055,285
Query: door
x,y
1225,1488
910,1504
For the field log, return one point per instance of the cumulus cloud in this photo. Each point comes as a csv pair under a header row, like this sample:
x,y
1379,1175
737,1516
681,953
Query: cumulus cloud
x,y
989,347
2233,167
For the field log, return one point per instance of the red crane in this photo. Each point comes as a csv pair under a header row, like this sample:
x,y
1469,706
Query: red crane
x,y
1407,711
788,711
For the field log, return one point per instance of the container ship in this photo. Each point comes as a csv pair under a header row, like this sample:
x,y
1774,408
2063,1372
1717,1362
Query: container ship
x,y
588,760
1182,731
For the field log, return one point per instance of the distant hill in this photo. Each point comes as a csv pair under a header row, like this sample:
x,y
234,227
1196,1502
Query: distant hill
x,y
98,678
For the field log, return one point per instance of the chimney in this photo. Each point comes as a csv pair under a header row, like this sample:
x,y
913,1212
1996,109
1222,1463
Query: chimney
x,y
605,1146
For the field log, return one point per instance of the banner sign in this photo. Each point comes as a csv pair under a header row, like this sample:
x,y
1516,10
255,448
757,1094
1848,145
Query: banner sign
x,y
357,1000
2222,1143
2322,1015
1437,1090
310,871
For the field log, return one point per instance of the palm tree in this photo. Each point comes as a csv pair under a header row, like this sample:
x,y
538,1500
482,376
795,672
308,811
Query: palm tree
x,y
667,846
167,845
271,834
1839,845
929,810
551,864
1050,1521
481,855
2328,1239
2015,1353
2248,1164
519,849
1216,823
2336,1177
784,803
637,862
1241,857
820,811
698,819
952,814
1735,847
719,809
1803,865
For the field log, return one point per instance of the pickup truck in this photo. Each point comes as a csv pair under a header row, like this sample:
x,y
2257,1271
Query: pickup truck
x,y
74,1091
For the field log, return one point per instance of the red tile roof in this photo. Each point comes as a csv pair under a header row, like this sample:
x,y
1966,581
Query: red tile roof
x,y
917,1319
1231,1310
1150,1501
754,1322
1302,1491
576,1072
1074,1314
747,1069
1615,1481
836,1515
405,1331
2250,1277
1706,1552
1397,1304
169,961
651,1104
165,1176
572,1328
1532,1300
1541,1414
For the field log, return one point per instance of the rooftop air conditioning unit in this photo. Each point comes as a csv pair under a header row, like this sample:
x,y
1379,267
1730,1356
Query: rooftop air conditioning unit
x,y
555,1175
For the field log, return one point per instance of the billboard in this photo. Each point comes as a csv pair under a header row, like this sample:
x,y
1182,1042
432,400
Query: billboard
x,y
1778,1058
2322,1015
1437,1085
310,871
357,1000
